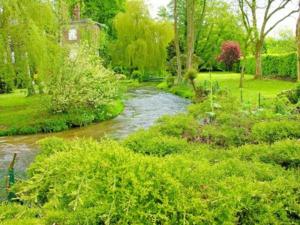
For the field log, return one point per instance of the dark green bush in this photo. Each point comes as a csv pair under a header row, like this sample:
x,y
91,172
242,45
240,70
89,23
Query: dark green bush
x,y
54,125
271,131
137,75
80,118
152,142
282,66
292,95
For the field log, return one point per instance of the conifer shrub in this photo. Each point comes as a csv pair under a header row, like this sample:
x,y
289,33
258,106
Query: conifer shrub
x,y
180,125
272,131
152,142
89,182
285,153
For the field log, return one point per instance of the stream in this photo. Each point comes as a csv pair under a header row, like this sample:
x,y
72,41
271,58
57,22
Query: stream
x,y
143,106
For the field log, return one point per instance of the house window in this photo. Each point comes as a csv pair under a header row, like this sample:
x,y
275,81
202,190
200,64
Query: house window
x,y
72,34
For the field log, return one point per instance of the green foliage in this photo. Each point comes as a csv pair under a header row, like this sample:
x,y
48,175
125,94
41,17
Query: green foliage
x,y
191,74
152,142
285,43
101,11
83,84
271,131
141,42
281,66
28,41
137,75
181,125
87,182
285,153
292,95
31,115
172,64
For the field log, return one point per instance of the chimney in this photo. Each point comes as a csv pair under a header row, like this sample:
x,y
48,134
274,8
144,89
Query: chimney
x,y
76,12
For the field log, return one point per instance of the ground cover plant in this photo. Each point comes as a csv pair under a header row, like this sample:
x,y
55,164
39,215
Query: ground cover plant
x,y
88,182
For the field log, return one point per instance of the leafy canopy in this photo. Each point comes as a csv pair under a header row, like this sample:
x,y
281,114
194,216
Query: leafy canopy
x,y
141,42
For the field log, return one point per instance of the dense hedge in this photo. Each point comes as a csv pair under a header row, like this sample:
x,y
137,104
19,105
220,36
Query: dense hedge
x,y
282,66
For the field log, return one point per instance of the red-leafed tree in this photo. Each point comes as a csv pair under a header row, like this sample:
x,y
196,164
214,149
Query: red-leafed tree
x,y
230,53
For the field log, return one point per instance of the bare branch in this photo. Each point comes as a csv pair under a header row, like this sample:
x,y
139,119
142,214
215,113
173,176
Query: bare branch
x,y
279,21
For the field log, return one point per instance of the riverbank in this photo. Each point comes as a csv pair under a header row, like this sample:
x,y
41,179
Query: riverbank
x,y
268,88
20,115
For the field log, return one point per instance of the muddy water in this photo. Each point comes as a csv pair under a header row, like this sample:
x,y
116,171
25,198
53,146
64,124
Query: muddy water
x,y
142,108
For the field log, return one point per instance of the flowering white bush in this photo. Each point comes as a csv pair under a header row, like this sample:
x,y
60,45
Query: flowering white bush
x,y
83,83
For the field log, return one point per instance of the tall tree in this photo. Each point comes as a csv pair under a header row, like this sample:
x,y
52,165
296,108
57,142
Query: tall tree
x,y
29,41
298,44
271,9
176,42
141,42
190,12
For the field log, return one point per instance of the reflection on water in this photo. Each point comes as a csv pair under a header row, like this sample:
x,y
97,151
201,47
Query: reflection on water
x,y
143,107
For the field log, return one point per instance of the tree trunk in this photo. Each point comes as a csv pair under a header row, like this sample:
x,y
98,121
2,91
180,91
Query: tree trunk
x,y
190,7
298,46
258,62
176,41
242,75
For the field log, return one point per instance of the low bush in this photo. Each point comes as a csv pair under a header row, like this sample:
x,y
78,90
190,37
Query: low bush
x,y
137,75
285,153
271,131
152,142
181,125
283,66
86,182
80,118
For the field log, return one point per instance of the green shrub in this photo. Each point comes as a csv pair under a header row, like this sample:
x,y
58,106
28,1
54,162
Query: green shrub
x,y
109,111
222,136
285,153
137,75
282,66
80,118
86,182
181,125
151,142
54,125
84,83
292,95
271,131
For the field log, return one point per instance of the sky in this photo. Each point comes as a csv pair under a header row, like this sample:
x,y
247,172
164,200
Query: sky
x,y
289,23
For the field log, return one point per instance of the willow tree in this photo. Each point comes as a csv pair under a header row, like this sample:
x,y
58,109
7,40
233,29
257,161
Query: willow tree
x,y
141,42
272,10
29,42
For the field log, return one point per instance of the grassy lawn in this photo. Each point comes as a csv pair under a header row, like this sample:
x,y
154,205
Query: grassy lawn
x,y
17,110
230,81
20,114
267,88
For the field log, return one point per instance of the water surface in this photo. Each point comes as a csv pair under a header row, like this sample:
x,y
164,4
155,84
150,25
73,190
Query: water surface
x,y
143,106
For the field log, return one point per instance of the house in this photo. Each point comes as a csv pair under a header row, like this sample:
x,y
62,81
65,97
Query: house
x,y
79,31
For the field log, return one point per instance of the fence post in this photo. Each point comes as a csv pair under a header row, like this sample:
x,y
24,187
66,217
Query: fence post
x,y
10,180
259,99
242,97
